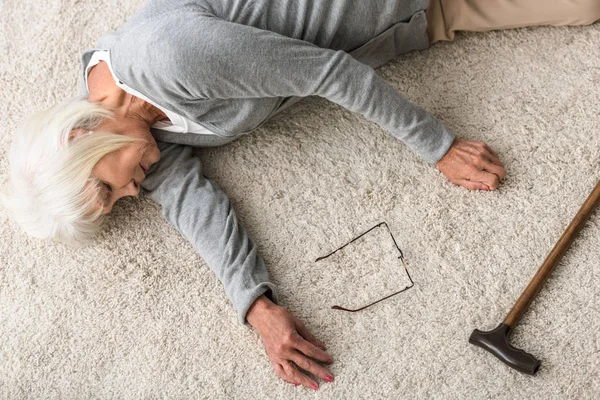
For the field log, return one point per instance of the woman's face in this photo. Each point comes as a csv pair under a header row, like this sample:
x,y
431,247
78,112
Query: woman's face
x,y
122,171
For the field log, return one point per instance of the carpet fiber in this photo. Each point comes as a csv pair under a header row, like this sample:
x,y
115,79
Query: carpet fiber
x,y
139,315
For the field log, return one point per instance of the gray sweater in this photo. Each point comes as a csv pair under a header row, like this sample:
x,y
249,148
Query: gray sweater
x,y
230,65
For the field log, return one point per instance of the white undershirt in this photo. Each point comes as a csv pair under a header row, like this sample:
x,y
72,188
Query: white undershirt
x,y
176,123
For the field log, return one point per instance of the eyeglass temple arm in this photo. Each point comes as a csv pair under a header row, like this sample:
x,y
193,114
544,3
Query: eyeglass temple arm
x,y
387,297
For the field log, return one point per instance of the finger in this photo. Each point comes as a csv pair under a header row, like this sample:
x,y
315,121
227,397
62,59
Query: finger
x,y
311,350
487,152
492,152
471,185
499,171
493,159
487,178
280,371
488,162
294,374
310,366
305,333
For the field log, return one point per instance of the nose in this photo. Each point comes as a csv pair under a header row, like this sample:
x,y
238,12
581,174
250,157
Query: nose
x,y
140,175
132,189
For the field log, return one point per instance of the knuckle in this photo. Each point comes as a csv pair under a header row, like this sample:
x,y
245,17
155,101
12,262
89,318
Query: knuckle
x,y
288,338
478,162
287,368
279,370
304,364
312,352
473,167
280,348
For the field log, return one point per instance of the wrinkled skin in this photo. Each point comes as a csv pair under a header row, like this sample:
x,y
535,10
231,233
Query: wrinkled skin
x,y
472,165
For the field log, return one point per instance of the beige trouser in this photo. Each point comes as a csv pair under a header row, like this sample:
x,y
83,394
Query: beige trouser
x,y
445,17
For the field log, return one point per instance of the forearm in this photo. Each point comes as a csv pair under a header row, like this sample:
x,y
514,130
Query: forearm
x,y
263,64
381,103
201,212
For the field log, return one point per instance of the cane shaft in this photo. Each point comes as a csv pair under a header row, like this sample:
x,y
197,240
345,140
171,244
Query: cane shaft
x,y
553,258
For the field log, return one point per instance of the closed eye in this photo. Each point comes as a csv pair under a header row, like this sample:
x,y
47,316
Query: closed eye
x,y
109,191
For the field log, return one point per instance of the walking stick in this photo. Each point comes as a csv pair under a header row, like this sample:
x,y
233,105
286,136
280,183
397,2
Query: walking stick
x,y
496,340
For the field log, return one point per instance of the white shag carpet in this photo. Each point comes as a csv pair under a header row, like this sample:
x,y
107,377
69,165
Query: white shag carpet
x,y
139,315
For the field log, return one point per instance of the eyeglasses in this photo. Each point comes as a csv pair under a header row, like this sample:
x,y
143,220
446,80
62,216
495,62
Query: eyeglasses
x,y
400,257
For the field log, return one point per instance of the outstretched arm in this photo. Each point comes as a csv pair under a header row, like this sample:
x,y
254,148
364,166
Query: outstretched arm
x,y
205,58
219,59
200,210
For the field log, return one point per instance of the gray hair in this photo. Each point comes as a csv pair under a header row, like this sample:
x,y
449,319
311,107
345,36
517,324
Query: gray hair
x,y
51,192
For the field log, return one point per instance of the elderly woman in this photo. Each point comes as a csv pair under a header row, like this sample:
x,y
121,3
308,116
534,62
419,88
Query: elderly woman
x,y
200,73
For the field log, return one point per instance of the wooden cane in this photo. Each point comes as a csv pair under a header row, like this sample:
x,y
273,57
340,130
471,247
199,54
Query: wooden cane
x,y
496,340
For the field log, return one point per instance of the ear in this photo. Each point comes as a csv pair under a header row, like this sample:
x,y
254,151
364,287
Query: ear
x,y
75,133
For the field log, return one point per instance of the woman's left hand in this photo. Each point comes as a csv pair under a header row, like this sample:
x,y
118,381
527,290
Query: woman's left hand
x,y
289,345
472,165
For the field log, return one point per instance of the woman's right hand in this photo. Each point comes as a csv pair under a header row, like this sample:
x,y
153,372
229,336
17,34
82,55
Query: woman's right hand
x,y
291,348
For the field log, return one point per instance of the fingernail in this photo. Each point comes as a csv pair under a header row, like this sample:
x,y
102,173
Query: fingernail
x,y
330,361
296,384
314,386
322,346
329,378
486,188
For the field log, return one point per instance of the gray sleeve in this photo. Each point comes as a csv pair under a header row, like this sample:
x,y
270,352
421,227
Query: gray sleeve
x,y
201,212
211,58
